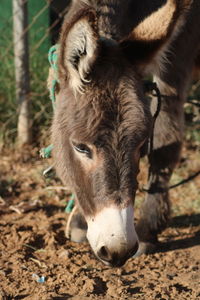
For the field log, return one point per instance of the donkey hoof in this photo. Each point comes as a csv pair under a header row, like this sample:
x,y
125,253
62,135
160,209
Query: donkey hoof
x,y
78,235
145,248
76,228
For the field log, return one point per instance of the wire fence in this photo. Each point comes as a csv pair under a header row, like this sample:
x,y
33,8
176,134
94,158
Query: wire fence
x,y
44,21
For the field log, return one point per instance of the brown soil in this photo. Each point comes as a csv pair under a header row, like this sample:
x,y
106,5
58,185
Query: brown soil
x,y
32,243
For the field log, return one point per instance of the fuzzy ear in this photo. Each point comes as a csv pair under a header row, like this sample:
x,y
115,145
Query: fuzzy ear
x,y
78,48
146,43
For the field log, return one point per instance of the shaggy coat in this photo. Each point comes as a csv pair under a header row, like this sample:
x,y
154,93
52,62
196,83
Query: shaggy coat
x,y
103,118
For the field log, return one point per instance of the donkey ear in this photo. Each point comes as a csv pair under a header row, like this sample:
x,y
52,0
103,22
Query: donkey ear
x,y
78,48
146,43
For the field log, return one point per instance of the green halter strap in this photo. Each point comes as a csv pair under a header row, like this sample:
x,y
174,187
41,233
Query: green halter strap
x,y
53,60
46,152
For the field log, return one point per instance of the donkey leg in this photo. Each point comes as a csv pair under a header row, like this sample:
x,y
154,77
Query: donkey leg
x,y
76,228
167,140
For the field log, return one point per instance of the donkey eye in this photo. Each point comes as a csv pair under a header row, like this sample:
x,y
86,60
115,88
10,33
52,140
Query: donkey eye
x,y
82,148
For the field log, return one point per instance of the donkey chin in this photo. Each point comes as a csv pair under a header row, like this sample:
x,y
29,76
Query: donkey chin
x,y
112,236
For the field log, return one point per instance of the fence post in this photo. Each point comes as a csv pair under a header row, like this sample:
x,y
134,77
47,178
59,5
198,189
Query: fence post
x,y
21,59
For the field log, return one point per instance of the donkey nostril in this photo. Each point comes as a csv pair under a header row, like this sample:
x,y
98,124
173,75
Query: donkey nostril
x,y
104,253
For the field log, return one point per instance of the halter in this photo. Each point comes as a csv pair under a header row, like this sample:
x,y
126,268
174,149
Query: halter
x,y
53,61
151,87
46,152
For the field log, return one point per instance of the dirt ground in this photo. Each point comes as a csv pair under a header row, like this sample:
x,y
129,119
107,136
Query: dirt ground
x,y
38,262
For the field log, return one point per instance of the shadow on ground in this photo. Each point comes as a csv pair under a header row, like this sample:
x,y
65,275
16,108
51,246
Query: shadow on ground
x,y
182,242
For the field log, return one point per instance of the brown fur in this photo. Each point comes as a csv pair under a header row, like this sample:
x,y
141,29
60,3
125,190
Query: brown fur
x,y
107,109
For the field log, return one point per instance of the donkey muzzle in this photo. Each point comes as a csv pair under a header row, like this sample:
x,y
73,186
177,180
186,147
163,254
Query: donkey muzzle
x,y
112,236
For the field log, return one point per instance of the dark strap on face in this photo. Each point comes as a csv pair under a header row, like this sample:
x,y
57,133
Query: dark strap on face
x,y
152,88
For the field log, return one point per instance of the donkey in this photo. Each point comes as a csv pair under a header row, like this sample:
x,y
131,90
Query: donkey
x,y
103,118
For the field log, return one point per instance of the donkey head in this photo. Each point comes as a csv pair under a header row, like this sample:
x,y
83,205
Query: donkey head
x,y
101,123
